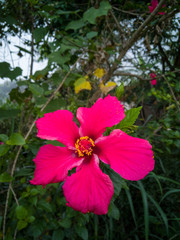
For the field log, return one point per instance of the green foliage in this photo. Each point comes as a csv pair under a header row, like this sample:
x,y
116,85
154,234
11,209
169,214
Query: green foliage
x,y
36,89
120,91
96,33
5,177
3,137
130,118
16,139
58,235
40,33
75,24
6,71
82,232
92,13
21,212
9,113
3,149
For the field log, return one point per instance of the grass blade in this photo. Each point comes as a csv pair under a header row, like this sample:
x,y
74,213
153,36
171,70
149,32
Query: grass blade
x,y
162,214
169,192
158,182
166,179
131,206
146,209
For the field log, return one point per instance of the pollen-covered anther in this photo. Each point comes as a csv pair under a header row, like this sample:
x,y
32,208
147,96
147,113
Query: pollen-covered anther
x,y
84,146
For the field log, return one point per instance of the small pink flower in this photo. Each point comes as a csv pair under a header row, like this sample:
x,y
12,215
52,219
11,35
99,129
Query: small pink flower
x,y
89,189
154,4
153,81
1,143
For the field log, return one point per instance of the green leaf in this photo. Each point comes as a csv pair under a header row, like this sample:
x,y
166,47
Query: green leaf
x,y
5,69
120,91
91,35
65,47
42,204
130,118
54,105
24,172
34,191
41,73
3,138
15,73
21,224
40,101
113,211
55,143
82,232
74,25
16,139
8,72
22,49
21,212
58,58
36,228
92,13
3,149
40,33
116,179
36,89
5,177
6,114
65,223
31,219
58,235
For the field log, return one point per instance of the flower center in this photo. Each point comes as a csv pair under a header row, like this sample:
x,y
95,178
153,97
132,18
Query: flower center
x,y
84,146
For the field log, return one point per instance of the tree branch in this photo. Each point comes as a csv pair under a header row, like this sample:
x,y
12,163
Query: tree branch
x,y
133,39
119,73
172,92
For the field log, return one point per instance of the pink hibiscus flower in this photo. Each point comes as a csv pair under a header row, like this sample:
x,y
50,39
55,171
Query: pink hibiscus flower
x,y
153,81
89,189
154,4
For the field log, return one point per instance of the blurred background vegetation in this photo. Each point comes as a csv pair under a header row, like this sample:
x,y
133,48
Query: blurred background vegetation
x,y
105,47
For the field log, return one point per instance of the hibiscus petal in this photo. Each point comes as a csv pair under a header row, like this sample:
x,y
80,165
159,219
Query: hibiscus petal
x,y
59,126
131,157
89,189
104,113
154,3
151,9
53,163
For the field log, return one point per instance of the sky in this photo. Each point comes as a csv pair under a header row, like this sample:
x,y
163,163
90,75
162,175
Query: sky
x,y
8,53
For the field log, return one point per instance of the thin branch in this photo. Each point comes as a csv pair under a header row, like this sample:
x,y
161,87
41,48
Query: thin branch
x,y
133,39
32,49
165,57
14,195
128,12
118,25
172,92
27,135
119,73
129,75
137,33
